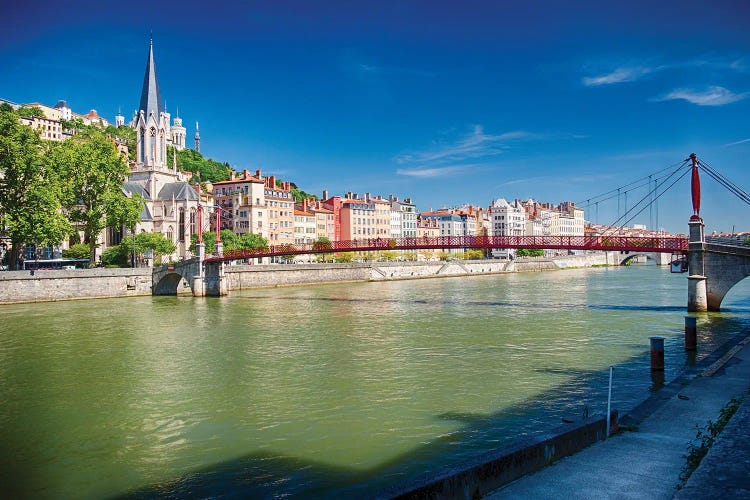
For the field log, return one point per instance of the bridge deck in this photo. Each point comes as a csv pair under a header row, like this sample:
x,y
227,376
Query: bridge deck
x,y
606,243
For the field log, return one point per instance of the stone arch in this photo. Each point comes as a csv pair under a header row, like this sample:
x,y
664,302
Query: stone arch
x,y
649,256
723,270
168,284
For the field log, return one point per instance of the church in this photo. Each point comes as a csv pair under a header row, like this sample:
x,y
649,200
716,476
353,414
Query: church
x,y
171,202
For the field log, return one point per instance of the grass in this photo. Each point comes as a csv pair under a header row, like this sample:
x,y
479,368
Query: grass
x,y
706,437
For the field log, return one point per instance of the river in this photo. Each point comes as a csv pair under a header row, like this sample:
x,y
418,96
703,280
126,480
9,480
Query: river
x,y
340,389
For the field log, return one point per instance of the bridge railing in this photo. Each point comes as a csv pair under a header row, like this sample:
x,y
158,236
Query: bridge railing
x,y
611,243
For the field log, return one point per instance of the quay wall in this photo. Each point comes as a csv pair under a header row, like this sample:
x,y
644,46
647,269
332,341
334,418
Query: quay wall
x,y
52,285
487,473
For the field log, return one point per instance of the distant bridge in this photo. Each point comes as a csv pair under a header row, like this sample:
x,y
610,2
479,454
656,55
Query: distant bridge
x,y
673,244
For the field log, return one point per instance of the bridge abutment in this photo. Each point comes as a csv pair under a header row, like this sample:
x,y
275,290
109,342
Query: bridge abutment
x,y
697,286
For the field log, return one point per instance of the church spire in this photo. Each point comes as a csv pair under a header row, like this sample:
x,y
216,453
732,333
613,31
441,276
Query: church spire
x,y
150,95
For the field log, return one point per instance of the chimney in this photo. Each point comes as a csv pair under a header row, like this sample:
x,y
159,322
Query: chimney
x,y
304,205
257,174
349,195
390,198
272,181
407,200
287,185
367,197
231,176
325,194
245,174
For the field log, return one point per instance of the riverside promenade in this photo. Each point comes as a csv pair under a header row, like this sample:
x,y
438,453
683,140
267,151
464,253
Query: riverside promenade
x,y
645,462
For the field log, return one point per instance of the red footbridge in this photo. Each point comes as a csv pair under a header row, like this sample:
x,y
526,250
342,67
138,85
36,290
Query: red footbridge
x,y
672,244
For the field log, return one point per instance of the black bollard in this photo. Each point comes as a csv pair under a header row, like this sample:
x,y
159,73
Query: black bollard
x,y
657,353
691,333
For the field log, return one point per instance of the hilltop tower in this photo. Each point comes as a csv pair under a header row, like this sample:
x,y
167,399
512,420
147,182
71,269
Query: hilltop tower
x,y
119,119
197,138
178,132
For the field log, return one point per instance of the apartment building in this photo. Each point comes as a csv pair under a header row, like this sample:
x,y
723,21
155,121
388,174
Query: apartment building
x,y
280,204
243,202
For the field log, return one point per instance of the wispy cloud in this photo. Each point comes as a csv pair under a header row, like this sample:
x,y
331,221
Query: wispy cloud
x,y
553,179
372,69
743,141
712,96
619,75
436,171
477,144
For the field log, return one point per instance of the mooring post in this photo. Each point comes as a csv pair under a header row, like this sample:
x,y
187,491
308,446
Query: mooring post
x,y
657,353
691,333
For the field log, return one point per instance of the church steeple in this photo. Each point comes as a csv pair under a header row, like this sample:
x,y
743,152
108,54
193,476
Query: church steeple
x,y
150,95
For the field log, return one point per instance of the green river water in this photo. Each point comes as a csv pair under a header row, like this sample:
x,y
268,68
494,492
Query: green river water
x,y
327,390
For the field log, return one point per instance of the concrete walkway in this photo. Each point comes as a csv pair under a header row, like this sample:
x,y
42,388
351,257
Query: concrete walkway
x,y
646,462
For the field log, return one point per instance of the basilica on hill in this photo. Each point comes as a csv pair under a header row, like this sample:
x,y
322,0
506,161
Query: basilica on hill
x,y
171,203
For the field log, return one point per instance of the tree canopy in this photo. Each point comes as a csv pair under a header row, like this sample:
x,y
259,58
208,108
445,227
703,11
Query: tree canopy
x,y
204,169
30,188
93,173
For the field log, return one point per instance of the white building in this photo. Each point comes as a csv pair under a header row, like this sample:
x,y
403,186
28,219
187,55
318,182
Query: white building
x,y
408,216
508,219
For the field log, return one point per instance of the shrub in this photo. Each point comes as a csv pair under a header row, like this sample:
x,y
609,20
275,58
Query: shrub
x,y
77,251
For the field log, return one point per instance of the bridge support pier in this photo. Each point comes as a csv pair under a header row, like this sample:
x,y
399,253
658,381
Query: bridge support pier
x,y
697,286
697,294
199,286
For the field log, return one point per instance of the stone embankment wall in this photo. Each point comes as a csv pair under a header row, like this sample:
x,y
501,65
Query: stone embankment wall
x,y
47,286
43,286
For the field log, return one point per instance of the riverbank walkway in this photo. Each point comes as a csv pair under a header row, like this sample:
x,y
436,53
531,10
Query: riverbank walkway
x,y
646,461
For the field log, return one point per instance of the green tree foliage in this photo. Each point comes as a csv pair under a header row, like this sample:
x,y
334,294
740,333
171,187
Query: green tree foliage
x,y
229,241
30,112
473,254
344,256
114,256
388,255
209,240
124,133
529,252
138,245
94,172
204,169
77,251
30,188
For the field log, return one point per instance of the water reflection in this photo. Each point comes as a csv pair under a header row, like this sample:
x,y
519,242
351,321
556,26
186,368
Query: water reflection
x,y
323,390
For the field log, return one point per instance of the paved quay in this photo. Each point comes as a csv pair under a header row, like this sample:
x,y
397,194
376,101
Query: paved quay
x,y
646,461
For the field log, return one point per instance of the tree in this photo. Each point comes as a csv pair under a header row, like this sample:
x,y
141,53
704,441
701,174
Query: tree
x,y
209,240
94,172
249,241
77,251
156,242
30,188
30,112
344,256
529,252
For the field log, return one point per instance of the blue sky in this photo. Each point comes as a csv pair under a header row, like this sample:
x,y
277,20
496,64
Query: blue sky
x,y
444,102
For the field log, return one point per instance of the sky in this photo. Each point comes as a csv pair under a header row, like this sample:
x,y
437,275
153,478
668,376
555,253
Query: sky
x,y
444,102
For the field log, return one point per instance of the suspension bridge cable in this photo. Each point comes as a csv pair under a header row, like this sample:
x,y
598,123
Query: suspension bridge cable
x,y
594,198
726,182
657,197
614,225
718,179
642,184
